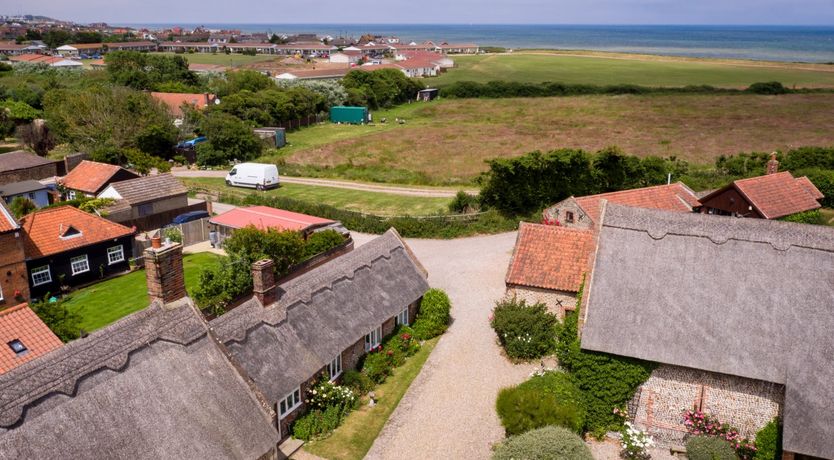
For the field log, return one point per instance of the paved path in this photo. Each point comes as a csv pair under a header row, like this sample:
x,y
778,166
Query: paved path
x,y
449,410
381,188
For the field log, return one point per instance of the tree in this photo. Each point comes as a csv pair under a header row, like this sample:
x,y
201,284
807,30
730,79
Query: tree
x,y
384,88
248,245
235,82
229,138
66,324
148,71
36,136
20,206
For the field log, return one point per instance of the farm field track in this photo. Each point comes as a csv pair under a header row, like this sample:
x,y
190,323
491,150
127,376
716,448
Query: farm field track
x,y
448,141
597,68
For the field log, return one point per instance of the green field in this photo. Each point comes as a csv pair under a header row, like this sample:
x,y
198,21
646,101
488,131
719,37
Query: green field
x,y
383,204
230,60
108,301
623,69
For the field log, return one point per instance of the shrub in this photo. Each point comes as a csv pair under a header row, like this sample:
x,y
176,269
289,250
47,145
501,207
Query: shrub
x,y
634,443
700,423
769,441
525,331
21,206
813,217
709,448
325,394
548,443
434,316
61,320
318,423
172,233
770,87
550,398
403,344
823,179
358,381
463,203
222,284
323,241
377,366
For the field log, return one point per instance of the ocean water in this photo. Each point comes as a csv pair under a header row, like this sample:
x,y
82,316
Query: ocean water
x,y
775,43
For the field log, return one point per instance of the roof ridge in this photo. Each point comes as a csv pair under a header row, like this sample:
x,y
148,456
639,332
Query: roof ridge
x,y
13,309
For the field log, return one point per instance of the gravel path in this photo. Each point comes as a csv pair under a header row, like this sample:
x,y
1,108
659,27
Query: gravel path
x,y
449,410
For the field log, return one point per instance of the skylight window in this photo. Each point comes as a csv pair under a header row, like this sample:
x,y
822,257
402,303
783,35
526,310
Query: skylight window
x,y
70,232
18,348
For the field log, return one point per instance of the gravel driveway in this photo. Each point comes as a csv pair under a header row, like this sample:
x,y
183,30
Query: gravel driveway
x,y
449,410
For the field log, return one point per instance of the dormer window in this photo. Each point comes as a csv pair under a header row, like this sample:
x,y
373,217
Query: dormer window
x,y
70,232
18,348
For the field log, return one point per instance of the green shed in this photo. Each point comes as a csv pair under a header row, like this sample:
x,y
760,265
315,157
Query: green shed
x,y
352,115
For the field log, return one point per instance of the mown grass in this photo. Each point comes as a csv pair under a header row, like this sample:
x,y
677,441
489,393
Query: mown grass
x,y
106,302
354,438
378,203
602,69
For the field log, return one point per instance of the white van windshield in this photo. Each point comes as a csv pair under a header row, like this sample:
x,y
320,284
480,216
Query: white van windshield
x,y
233,172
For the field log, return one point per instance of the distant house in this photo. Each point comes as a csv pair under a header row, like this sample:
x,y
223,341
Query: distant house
x,y
147,202
32,190
458,48
14,287
20,165
42,59
549,264
346,57
774,195
90,178
184,47
314,74
176,101
583,211
65,246
736,312
14,49
23,337
264,217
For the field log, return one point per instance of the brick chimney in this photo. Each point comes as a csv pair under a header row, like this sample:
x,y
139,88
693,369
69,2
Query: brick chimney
x,y
263,281
773,164
163,270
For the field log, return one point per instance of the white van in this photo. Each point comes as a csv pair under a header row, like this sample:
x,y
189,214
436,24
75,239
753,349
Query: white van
x,y
256,175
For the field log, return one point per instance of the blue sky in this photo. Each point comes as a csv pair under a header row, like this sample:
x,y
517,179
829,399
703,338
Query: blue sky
x,y
770,12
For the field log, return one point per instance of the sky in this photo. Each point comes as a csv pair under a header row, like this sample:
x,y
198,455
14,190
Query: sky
x,y
736,12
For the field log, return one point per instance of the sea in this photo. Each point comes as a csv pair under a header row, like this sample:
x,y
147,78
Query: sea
x,y
773,43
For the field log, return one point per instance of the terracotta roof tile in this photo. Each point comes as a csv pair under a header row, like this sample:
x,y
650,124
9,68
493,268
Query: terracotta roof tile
x,y
42,230
672,197
809,187
778,195
7,220
174,101
21,323
550,257
89,176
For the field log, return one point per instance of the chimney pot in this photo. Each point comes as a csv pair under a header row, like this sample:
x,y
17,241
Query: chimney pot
x,y
263,281
772,164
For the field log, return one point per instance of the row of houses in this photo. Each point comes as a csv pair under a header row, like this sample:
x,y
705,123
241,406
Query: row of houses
x,y
731,304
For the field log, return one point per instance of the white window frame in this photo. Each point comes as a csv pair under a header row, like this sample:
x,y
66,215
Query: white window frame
x,y
38,271
402,318
334,369
289,403
373,338
120,249
71,195
78,260
1,292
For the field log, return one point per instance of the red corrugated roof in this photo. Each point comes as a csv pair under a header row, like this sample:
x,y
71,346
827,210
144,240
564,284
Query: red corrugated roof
x,y
42,230
550,257
21,323
672,197
778,195
264,217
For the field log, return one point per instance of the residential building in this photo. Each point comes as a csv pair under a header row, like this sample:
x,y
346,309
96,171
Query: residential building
x,y
176,101
32,190
458,48
42,59
315,74
583,212
65,246
14,287
736,312
549,264
20,165
320,321
264,217
13,49
184,47
346,57
23,337
148,202
445,62
90,178
91,49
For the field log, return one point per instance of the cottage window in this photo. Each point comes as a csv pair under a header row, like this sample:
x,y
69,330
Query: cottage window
x,y
289,403
402,318
18,348
115,254
71,194
334,369
41,275
569,217
79,264
145,209
373,339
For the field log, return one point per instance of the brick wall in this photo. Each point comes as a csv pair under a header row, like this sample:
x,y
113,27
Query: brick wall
x,y
36,173
559,213
746,404
13,274
557,301
164,273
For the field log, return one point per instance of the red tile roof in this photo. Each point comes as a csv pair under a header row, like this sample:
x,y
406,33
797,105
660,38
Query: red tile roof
x,y
89,176
21,323
42,230
263,217
672,197
174,101
809,187
550,257
778,195
7,220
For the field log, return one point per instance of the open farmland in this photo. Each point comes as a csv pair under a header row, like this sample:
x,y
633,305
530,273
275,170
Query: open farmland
x,y
611,69
448,141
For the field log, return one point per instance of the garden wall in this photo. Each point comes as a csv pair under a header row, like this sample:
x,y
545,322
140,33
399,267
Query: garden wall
x,y
557,301
746,404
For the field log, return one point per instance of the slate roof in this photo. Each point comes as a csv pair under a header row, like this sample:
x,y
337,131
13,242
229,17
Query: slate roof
x,y
550,257
21,323
43,230
264,217
152,385
744,297
776,195
90,176
672,197
7,220
20,159
149,188
320,314
17,188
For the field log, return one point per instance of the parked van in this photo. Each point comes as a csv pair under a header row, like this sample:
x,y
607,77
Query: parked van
x,y
256,175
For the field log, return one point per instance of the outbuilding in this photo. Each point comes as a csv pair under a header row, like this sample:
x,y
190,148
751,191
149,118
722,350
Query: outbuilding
x,y
350,115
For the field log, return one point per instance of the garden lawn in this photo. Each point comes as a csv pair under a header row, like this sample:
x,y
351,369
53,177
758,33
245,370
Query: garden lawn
x,y
378,203
355,437
612,69
108,301
229,60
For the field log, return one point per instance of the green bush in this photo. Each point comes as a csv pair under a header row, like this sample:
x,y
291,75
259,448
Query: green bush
x,y
358,381
323,241
64,322
463,203
547,399
434,315
813,217
403,344
770,87
769,441
377,365
548,443
709,448
525,331
318,423
823,179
